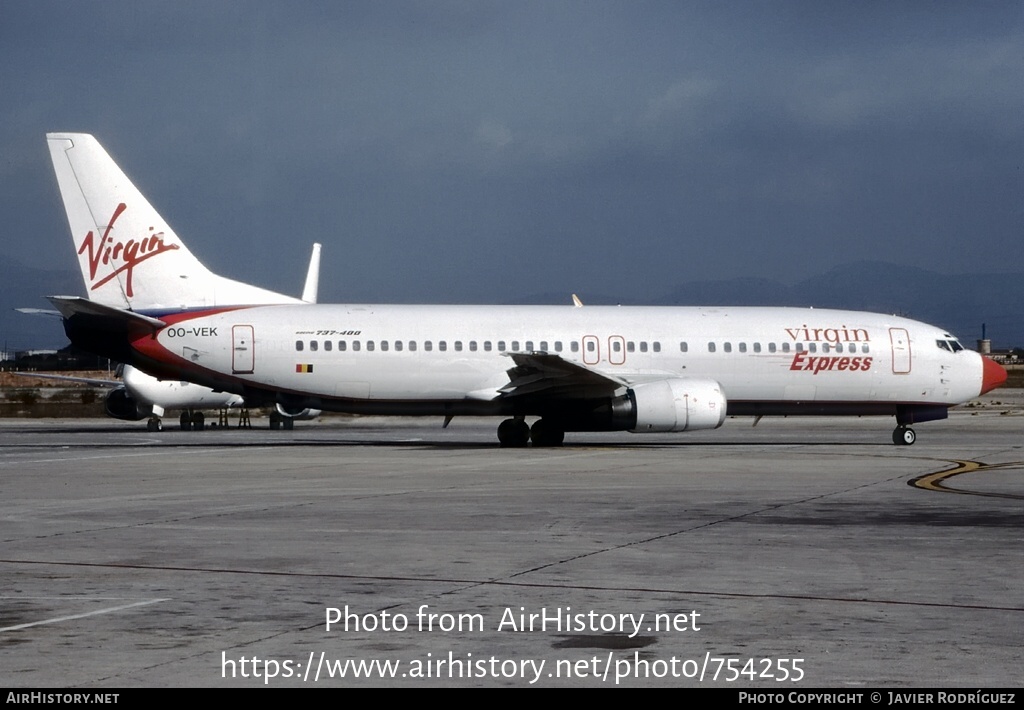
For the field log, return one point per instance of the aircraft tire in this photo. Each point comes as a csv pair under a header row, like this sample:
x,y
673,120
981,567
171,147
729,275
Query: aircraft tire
x,y
513,433
545,433
903,436
288,423
185,422
154,424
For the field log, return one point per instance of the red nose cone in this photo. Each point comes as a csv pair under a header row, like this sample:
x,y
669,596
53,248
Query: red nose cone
x,y
993,375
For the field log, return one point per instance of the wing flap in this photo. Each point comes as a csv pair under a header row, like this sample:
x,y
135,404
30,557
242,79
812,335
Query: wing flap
x,y
556,377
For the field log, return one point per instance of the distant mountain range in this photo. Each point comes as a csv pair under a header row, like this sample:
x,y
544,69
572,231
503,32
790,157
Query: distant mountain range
x,y
960,303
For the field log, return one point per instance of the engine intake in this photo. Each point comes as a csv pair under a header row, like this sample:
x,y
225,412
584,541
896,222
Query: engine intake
x,y
120,405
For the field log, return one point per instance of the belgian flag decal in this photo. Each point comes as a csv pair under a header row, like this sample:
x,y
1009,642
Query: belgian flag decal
x,y
303,368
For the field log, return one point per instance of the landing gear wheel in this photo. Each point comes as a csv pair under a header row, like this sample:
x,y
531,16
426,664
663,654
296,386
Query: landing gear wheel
x,y
289,423
513,433
198,421
275,420
154,424
545,433
185,422
903,436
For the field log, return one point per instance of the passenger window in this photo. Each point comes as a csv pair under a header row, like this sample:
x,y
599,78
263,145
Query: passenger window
x,y
743,347
771,347
472,346
501,346
442,345
630,347
590,346
412,345
544,345
558,346
643,346
313,345
487,346
785,347
355,345
384,345
369,345
515,346
574,346
757,347
342,345
398,345
428,346
711,347
616,346
656,346
458,346
825,348
812,348
529,346
799,347
683,347
327,345
299,345
727,347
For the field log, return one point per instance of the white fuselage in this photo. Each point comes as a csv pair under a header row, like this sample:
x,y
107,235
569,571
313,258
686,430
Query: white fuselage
x,y
455,359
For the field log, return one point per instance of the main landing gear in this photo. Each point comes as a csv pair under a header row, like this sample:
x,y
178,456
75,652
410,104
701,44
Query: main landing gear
x,y
277,421
516,433
190,421
903,435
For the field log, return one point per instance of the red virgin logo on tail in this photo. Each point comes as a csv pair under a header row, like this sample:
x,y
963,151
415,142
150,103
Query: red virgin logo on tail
x,y
130,253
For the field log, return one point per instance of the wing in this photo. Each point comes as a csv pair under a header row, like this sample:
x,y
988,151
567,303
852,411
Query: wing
x,y
68,378
552,376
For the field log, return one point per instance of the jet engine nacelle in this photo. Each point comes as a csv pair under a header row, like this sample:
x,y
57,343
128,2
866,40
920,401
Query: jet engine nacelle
x,y
674,405
296,412
121,405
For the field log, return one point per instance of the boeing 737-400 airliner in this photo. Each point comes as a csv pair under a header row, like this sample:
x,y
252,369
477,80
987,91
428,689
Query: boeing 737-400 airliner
x,y
152,304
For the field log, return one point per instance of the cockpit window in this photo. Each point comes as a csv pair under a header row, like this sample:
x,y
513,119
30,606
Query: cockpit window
x,y
944,345
952,346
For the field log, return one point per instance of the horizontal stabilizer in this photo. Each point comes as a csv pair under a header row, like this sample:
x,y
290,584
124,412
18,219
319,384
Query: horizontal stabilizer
x,y
104,330
71,306
48,312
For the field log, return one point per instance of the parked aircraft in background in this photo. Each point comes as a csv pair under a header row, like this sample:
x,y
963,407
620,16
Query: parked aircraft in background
x,y
589,368
136,396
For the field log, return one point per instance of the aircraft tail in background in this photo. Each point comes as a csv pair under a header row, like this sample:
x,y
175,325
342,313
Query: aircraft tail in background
x,y
129,256
312,288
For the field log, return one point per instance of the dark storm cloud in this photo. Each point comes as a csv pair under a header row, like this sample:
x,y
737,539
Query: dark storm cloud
x,y
450,151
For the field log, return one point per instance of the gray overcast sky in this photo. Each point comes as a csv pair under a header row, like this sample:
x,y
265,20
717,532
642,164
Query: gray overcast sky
x,y
478,151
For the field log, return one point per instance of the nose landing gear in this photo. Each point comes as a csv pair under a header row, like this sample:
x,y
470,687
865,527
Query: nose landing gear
x,y
903,435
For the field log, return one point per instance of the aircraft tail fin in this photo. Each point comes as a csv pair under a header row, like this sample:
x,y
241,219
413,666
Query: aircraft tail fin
x,y
312,287
129,256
